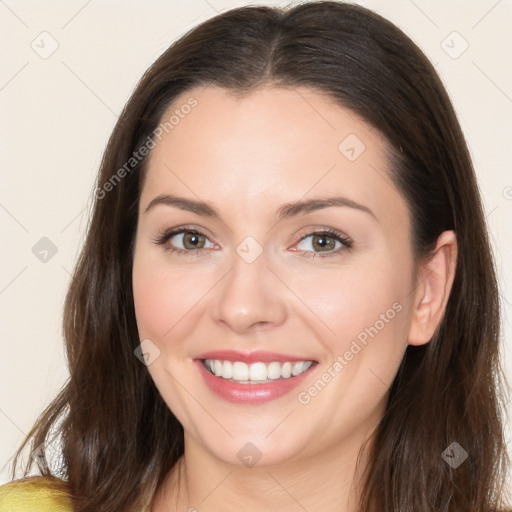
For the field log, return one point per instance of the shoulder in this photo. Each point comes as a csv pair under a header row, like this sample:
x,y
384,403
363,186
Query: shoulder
x,y
35,494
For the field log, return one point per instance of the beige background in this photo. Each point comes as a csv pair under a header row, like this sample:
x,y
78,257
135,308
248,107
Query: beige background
x,y
57,112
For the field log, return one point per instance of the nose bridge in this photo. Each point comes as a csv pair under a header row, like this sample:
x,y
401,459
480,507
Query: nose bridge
x,y
249,294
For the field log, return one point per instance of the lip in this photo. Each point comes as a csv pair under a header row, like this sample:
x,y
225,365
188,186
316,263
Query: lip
x,y
258,356
250,394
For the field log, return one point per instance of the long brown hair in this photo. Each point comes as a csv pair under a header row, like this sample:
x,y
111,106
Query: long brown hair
x,y
119,438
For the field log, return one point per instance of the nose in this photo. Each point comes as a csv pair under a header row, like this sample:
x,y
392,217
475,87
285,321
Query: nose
x,y
249,298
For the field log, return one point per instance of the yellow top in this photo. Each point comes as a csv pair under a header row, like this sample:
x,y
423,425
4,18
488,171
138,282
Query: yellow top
x,y
35,494
38,494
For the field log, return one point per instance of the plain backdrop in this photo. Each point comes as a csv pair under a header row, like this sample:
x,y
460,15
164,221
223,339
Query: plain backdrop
x,y
67,69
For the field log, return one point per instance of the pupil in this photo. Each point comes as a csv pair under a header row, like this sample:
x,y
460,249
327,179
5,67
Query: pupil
x,y
322,241
193,239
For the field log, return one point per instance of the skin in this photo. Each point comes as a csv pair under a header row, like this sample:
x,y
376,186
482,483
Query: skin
x,y
247,157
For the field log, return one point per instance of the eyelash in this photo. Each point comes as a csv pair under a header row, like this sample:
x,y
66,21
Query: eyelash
x,y
329,232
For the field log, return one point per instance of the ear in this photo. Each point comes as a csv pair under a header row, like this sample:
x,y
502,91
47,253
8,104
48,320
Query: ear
x,y
433,290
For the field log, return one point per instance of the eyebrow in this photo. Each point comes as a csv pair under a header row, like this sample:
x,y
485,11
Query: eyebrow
x,y
287,210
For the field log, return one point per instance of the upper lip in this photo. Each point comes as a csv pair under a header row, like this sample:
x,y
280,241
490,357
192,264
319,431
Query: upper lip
x,y
260,356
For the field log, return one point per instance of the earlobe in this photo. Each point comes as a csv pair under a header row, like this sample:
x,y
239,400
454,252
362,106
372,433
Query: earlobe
x,y
433,290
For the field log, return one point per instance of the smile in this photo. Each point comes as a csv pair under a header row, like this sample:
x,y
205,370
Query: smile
x,y
252,378
255,373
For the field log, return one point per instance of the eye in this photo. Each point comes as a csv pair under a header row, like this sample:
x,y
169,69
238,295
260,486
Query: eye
x,y
328,241
190,240
324,243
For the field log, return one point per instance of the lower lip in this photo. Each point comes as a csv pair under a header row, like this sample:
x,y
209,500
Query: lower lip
x,y
250,393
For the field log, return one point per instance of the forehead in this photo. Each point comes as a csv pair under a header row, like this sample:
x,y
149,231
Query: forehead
x,y
272,145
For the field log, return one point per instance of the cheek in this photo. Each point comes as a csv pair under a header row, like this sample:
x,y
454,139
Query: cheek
x,y
166,296
366,309
155,304
151,306
362,316
358,303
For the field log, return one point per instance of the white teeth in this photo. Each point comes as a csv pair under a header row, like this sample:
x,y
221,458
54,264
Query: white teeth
x,y
297,368
217,368
227,370
258,371
240,371
274,370
301,367
255,372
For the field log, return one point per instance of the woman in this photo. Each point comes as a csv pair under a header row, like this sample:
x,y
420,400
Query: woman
x,y
286,299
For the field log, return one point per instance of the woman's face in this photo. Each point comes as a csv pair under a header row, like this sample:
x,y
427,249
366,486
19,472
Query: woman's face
x,y
302,307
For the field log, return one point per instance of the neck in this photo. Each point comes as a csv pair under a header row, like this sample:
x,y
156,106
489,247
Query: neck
x,y
326,482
